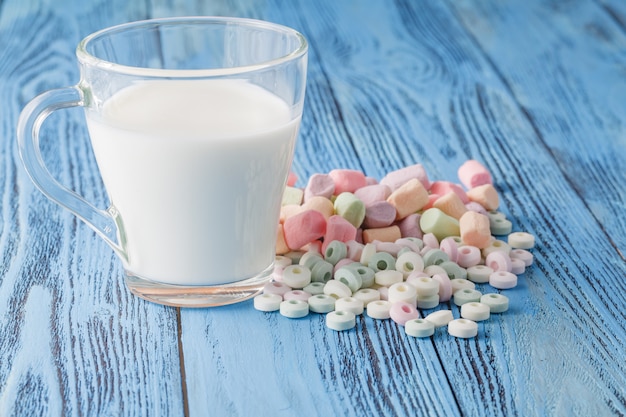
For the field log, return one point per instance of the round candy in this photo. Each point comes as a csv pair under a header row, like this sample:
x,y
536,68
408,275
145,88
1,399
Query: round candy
x,y
350,277
335,251
479,273
382,261
401,312
351,304
424,286
475,311
402,291
427,302
274,287
321,271
340,320
296,276
463,328
321,303
503,280
409,262
497,303
521,240
294,309
267,302
379,309
367,295
440,318
419,328
315,288
296,295
466,295
337,289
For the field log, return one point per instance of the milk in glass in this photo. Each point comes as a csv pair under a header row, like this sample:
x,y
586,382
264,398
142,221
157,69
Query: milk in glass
x,y
196,170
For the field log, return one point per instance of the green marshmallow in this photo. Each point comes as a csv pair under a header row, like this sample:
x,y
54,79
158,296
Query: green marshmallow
x,y
439,223
348,206
292,195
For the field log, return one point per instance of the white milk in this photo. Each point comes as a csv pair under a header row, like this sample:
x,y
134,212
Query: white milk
x,y
196,170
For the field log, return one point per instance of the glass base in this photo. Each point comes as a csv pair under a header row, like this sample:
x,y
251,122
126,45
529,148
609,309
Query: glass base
x,y
198,295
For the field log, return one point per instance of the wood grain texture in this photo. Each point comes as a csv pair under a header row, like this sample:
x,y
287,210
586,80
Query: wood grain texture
x,y
533,89
73,340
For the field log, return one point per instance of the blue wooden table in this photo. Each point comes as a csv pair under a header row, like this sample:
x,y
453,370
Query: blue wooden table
x,y
536,90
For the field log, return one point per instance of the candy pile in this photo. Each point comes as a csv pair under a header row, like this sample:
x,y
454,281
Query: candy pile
x,y
348,244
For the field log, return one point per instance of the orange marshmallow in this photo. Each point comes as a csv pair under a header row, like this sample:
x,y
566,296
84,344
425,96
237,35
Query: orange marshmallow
x,y
281,245
475,230
288,211
321,204
382,234
408,198
485,195
443,187
451,204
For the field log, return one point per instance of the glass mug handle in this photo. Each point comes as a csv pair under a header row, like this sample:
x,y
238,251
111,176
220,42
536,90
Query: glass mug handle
x,y
107,224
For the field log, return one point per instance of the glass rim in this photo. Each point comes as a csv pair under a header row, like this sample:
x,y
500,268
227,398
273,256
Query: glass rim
x,y
92,60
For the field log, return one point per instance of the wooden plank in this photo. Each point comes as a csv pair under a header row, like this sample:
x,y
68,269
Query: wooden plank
x,y
73,340
383,77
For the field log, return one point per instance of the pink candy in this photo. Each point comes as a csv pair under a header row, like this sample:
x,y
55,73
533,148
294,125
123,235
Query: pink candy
x,y
338,228
401,312
304,228
347,180
472,174
396,179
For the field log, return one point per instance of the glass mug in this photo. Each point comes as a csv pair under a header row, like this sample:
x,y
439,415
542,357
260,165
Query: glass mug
x,y
193,123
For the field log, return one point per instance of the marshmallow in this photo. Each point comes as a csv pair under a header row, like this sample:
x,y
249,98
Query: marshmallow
x,y
473,174
379,214
319,185
475,230
350,208
304,228
444,187
451,204
347,180
485,195
439,223
338,228
408,198
383,234
373,193
396,179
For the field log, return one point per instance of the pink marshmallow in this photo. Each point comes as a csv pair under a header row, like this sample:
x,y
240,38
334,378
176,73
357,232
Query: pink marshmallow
x,y
373,193
347,180
321,185
396,179
304,228
444,187
292,179
472,174
338,228
379,214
